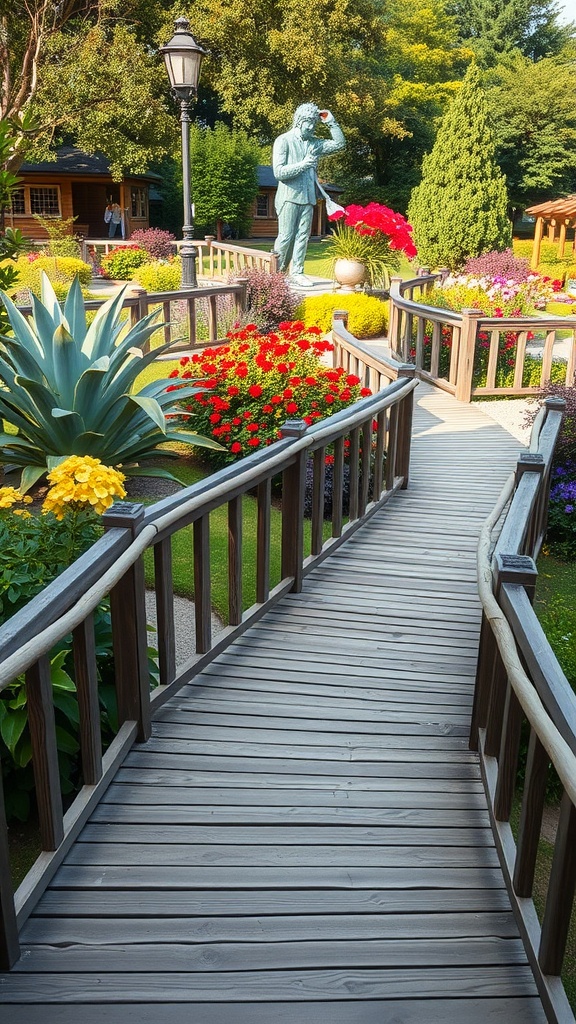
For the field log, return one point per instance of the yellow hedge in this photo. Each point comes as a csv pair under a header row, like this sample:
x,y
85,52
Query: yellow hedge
x,y
61,270
159,276
367,315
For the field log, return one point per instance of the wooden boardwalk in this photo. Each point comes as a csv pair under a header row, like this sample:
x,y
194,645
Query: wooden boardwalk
x,y
305,838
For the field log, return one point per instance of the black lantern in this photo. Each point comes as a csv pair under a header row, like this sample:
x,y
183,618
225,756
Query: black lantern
x,y
183,58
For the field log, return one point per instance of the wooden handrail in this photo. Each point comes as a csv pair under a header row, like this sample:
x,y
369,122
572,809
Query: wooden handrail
x,y
114,567
519,680
413,325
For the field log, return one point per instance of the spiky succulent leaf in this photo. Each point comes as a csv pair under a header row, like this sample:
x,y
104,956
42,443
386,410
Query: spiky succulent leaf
x,y
75,313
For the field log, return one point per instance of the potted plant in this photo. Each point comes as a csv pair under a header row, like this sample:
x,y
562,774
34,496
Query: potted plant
x,y
367,243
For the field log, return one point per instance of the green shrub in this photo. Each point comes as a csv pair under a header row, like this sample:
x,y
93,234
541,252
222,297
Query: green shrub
x,y
121,262
555,271
367,315
561,308
61,238
548,252
61,271
159,276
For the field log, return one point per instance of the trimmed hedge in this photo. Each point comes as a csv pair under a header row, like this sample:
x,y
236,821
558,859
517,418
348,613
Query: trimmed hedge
x,y
367,315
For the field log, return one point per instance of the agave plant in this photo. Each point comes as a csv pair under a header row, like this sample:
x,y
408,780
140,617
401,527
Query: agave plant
x,y
68,389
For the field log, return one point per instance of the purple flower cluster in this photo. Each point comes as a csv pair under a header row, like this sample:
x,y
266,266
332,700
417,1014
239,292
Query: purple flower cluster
x,y
270,300
564,491
503,265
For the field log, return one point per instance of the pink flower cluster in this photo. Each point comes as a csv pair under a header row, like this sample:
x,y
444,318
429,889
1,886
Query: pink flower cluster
x,y
374,220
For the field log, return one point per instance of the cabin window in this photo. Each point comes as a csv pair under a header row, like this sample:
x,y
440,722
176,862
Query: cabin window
x,y
18,201
45,200
262,209
139,202
42,199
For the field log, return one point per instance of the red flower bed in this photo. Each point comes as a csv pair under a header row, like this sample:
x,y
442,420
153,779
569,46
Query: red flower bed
x,y
257,381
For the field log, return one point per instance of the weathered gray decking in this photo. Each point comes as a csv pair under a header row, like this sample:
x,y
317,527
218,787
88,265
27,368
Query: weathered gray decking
x,y
305,838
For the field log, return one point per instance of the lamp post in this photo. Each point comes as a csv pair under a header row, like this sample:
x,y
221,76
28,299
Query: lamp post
x,y
183,57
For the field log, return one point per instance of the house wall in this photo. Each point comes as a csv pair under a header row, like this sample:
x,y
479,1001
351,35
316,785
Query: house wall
x,y
84,197
267,226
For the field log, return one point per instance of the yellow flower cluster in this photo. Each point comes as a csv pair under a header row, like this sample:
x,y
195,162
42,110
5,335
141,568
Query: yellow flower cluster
x,y
82,480
10,496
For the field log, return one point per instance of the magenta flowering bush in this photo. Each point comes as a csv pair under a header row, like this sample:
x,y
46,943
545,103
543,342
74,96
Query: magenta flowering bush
x,y
158,243
504,265
373,234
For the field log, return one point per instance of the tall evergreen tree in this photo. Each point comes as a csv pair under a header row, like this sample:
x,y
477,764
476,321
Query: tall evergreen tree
x,y
459,209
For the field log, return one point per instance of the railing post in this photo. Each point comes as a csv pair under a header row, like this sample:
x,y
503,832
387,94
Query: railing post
x,y
340,356
242,297
273,263
9,944
140,310
465,371
293,485
394,316
129,632
405,413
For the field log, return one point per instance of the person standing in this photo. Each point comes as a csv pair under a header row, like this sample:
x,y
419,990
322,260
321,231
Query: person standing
x,y
294,160
114,219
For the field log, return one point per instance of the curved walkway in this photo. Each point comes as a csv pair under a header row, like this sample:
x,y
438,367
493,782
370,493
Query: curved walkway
x,y
305,837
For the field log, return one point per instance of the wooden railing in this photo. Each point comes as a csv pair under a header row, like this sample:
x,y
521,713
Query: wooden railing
x,y
451,349
183,312
216,260
376,432
521,689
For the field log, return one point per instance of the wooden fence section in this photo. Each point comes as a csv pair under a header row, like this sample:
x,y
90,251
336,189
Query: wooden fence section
x,y
216,260
304,838
455,350
520,689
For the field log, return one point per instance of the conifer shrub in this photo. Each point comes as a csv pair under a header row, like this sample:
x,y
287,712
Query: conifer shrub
x,y
459,209
367,315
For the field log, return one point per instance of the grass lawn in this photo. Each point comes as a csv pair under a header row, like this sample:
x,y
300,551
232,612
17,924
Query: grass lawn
x,y
318,264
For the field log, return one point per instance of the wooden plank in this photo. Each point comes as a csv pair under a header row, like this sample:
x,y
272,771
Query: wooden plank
x,y
103,932
523,1010
176,776
313,751
176,855
397,736
394,723
184,814
285,834
154,987
162,903
187,957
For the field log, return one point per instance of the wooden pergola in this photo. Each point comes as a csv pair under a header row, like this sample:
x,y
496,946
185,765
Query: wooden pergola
x,y
557,215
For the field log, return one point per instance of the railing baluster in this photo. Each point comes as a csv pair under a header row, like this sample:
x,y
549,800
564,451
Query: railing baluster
x,y
508,757
520,360
547,357
264,494
533,800
353,473
129,628
42,725
165,610
366,462
435,348
493,359
404,431
379,456
212,319
166,316
561,888
496,706
391,447
338,487
9,944
86,678
202,588
235,561
191,303
293,485
318,486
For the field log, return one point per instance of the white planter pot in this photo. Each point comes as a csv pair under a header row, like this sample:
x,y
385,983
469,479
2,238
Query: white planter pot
x,y
349,274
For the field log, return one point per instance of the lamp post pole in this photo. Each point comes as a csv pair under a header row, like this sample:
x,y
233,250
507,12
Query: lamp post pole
x,y
183,57
188,251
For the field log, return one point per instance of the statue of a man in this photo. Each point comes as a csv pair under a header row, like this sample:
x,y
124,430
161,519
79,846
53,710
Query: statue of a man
x,y
294,159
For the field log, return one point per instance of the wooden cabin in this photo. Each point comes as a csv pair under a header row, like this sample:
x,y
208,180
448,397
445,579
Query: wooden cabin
x,y
264,219
78,185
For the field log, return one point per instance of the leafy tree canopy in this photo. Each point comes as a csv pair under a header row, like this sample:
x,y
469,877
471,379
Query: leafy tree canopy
x,y
533,111
80,71
459,209
497,27
224,175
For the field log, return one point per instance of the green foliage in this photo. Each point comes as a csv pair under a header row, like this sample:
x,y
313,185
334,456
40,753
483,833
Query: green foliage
x,y
120,263
61,270
533,112
12,242
523,247
367,315
376,255
224,171
159,276
69,388
459,209
61,238
495,28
